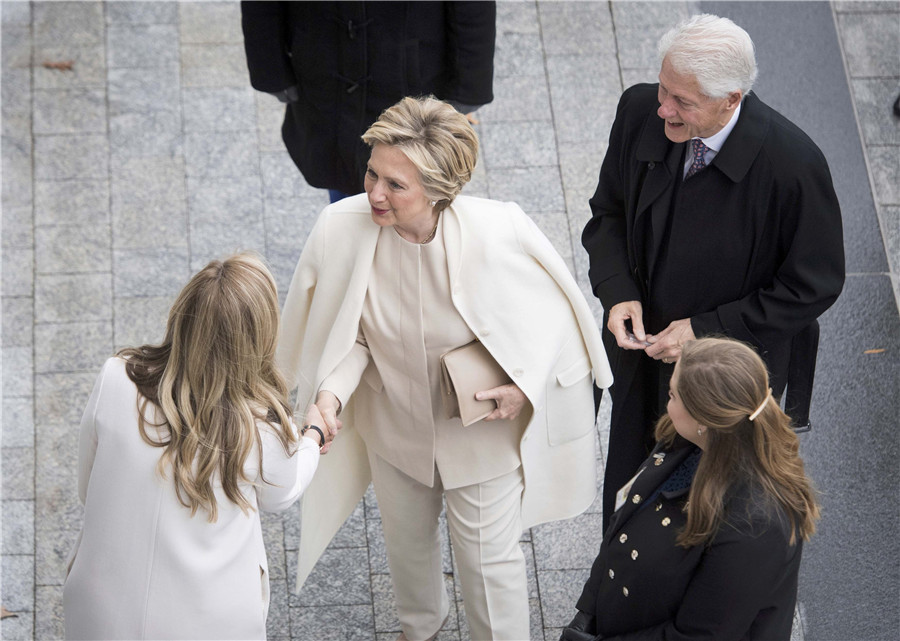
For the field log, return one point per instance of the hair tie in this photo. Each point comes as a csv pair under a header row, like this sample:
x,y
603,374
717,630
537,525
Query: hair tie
x,y
761,405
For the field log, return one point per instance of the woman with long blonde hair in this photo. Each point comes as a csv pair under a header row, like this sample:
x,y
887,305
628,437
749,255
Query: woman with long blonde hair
x,y
707,537
181,445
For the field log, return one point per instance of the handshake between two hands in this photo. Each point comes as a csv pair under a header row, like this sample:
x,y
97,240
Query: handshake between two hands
x,y
324,414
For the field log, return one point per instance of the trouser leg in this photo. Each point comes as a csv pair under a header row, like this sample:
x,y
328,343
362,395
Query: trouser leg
x,y
485,522
409,516
634,414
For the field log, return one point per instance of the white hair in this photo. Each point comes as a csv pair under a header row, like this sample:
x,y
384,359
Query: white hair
x,y
717,52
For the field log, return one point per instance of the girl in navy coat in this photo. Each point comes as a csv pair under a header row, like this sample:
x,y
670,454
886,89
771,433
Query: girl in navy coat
x,y
706,539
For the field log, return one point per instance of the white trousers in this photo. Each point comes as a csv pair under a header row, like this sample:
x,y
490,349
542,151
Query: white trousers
x,y
485,523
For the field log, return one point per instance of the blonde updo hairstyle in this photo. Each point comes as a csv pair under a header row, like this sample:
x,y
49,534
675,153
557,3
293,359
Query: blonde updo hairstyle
x,y
722,383
436,138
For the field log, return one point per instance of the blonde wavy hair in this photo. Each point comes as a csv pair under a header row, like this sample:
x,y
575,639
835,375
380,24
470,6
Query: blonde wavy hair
x,y
212,379
721,383
436,138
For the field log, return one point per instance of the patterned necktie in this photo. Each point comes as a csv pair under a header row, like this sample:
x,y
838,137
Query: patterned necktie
x,y
698,151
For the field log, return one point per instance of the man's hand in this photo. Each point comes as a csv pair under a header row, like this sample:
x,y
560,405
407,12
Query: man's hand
x,y
666,346
510,401
618,314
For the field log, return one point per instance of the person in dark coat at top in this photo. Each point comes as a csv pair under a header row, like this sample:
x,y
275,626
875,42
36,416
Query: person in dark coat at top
x,y
713,215
706,540
338,65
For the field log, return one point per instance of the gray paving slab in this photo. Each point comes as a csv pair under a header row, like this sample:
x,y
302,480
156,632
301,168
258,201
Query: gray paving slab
x,y
341,577
140,46
61,298
60,395
218,108
76,23
214,65
873,98
83,156
348,623
18,527
18,371
18,422
76,202
870,48
15,13
535,189
577,28
517,98
69,111
886,173
71,347
215,22
157,271
140,320
72,248
142,12
17,321
51,554
86,66
220,155
518,54
18,582
48,620
519,144
17,171
18,271
18,473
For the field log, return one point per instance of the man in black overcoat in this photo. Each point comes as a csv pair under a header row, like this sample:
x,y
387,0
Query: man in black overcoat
x,y
338,65
739,237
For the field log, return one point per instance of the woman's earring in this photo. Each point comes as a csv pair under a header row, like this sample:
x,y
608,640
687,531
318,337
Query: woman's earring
x,y
433,203
699,431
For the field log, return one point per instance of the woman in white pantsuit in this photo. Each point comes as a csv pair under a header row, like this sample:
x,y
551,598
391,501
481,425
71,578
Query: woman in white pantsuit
x,y
387,282
181,445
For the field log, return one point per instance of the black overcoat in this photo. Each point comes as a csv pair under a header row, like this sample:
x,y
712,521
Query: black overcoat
x,y
352,60
643,587
757,256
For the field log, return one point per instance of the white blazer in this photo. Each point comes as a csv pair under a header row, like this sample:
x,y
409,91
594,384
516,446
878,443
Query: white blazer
x,y
142,567
517,296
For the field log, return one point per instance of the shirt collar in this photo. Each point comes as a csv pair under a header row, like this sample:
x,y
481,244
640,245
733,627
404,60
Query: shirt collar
x,y
718,139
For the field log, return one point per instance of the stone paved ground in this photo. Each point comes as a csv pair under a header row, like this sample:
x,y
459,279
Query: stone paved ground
x,y
151,155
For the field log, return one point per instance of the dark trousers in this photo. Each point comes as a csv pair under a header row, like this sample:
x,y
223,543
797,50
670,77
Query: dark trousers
x,y
635,410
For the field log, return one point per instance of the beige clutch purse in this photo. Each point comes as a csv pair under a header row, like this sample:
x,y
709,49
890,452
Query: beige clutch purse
x,y
464,371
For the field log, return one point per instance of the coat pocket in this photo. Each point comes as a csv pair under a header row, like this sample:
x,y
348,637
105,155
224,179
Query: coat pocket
x,y
570,403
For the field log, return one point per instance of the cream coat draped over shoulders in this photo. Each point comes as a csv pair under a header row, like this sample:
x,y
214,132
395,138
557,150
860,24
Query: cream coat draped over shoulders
x,y
517,296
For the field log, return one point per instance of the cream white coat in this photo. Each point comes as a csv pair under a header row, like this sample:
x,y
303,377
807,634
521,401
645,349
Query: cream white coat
x,y
517,296
142,567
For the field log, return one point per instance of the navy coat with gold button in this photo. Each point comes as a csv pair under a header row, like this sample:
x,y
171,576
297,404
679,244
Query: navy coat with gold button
x,y
643,586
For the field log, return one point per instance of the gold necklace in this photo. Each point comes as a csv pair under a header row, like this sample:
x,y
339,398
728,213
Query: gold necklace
x,y
430,236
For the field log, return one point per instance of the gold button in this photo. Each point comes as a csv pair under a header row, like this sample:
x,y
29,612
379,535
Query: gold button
x,y
636,499
666,521
659,506
625,591
612,574
658,462
623,538
634,555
